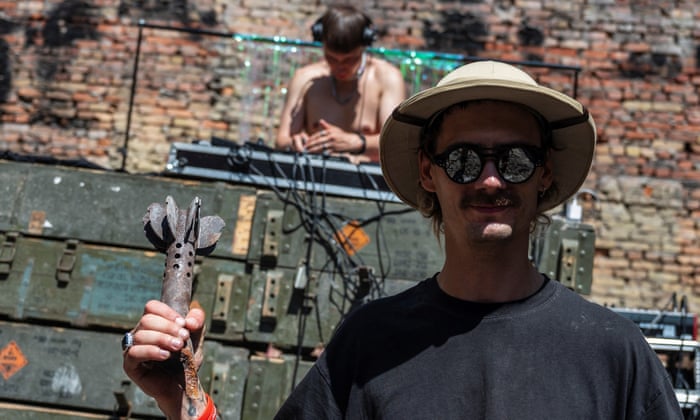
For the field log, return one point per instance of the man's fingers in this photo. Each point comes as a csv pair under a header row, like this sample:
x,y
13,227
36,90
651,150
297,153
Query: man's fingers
x,y
161,340
298,143
156,307
144,353
150,322
195,319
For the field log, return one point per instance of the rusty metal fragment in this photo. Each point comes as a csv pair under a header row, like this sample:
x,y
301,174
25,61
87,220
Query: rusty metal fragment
x,y
181,234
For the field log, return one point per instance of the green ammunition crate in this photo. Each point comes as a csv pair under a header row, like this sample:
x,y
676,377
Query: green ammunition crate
x,y
51,281
567,253
103,207
76,270
80,370
392,239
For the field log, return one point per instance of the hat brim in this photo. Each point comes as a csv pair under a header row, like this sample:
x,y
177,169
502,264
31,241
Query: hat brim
x,y
573,145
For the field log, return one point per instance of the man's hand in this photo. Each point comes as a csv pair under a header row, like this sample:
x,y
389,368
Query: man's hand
x,y
333,139
299,142
161,332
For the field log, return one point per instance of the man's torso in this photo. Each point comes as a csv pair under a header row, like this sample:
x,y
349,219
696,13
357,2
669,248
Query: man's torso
x,y
555,356
352,105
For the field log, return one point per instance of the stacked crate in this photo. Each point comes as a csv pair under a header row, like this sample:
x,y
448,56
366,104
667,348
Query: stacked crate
x,y
76,271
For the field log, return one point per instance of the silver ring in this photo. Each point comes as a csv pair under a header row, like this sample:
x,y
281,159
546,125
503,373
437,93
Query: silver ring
x,y
127,341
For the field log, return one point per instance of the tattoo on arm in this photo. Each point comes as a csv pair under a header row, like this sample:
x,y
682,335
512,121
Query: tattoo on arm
x,y
192,404
191,410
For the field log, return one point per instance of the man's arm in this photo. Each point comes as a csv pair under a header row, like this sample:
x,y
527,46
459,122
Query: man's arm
x,y
393,93
291,130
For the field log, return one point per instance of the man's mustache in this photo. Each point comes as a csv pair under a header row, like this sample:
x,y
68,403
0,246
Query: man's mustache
x,y
484,199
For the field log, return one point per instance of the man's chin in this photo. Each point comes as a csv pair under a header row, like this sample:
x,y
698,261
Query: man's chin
x,y
496,231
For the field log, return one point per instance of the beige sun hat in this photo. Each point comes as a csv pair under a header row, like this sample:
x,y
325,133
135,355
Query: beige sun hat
x,y
573,129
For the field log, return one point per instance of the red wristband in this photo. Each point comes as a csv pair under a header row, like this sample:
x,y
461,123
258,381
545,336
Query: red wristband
x,y
210,411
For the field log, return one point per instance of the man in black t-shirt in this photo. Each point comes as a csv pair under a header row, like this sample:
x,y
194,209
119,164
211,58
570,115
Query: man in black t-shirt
x,y
484,154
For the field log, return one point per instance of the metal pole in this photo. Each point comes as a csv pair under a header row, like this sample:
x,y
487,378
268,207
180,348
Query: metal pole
x,y
134,79
280,40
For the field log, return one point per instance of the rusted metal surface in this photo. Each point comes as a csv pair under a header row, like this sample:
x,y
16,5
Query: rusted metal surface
x,y
182,235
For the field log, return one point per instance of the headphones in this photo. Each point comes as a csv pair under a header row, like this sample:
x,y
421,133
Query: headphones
x,y
368,33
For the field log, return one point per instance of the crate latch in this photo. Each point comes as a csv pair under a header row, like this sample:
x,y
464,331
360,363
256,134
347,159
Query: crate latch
x,y
66,263
8,250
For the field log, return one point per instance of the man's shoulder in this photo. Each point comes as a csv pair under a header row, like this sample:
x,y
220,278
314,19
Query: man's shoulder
x,y
570,299
382,62
370,325
582,311
310,71
388,307
317,68
385,69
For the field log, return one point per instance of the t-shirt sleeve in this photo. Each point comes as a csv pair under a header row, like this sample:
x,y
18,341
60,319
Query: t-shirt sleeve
x,y
652,396
312,399
665,405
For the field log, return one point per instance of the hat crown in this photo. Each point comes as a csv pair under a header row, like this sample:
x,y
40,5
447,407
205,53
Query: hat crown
x,y
487,70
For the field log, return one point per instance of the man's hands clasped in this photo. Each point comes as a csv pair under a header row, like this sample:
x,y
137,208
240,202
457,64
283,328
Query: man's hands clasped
x,y
329,138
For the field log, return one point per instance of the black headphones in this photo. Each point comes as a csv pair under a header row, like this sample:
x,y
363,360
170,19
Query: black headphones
x,y
368,33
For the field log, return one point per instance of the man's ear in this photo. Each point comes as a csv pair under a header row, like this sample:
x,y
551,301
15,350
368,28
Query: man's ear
x,y
425,175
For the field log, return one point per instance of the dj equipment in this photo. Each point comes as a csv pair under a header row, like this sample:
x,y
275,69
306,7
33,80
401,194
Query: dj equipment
x,y
263,167
663,324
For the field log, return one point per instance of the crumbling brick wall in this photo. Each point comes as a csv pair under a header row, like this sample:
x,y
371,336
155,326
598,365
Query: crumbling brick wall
x,y
67,70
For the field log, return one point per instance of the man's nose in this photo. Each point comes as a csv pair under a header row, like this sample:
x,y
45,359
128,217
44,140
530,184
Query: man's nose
x,y
490,178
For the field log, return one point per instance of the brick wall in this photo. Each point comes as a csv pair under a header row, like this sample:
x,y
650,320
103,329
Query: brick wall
x,y
67,67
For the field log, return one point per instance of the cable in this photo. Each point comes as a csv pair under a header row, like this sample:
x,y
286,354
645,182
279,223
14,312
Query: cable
x,y
324,229
301,316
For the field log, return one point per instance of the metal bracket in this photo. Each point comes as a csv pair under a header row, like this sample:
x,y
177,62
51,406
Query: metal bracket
x,y
272,291
222,300
271,241
568,263
8,250
66,263
123,407
218,378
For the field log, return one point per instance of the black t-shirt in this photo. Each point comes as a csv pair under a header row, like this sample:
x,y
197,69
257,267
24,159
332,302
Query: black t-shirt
x,y
423,354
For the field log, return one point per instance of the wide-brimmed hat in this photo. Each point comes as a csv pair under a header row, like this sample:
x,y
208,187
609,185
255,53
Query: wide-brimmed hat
x,y
573,129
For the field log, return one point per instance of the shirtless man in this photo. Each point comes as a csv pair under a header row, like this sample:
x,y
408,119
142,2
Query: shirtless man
x,y
339,104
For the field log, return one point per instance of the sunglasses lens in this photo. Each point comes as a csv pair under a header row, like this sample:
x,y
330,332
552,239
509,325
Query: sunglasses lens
x,y
462,165
515,165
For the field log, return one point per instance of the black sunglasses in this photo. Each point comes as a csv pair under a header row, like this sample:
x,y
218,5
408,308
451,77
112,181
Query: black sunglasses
x,y
463,163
